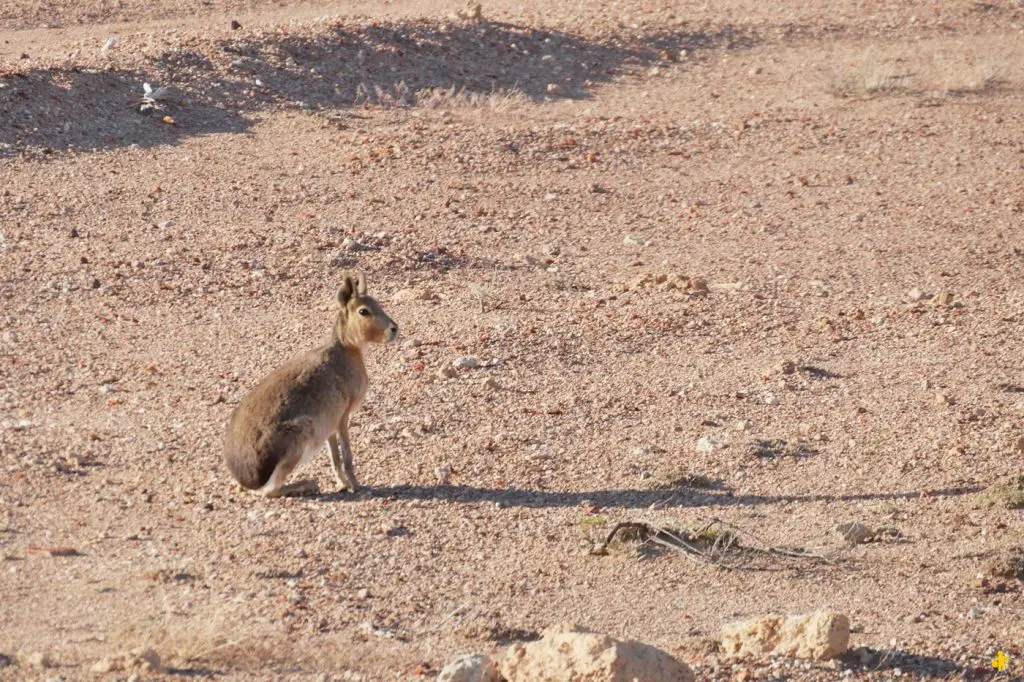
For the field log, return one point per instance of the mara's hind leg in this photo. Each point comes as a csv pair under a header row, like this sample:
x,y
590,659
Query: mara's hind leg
x,y
341,458
276,486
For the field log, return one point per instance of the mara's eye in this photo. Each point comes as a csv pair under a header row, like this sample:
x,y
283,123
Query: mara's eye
x,y
365,312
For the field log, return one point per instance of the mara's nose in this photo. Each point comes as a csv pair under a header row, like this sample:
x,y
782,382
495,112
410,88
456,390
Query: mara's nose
x,y
393,332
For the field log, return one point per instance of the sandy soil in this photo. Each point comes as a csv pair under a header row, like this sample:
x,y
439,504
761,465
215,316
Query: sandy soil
x,y
847,181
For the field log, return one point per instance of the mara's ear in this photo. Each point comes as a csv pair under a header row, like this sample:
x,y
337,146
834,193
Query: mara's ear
x,y
348,288
361,284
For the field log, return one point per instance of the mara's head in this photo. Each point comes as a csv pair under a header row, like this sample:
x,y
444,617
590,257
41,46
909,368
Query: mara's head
x,y
361,319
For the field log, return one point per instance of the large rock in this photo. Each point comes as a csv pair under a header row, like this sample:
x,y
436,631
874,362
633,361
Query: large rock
x,y
471,668
567,653
819,636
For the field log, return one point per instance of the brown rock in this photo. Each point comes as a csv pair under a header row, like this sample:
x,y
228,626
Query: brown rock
x,y
568,653
818,636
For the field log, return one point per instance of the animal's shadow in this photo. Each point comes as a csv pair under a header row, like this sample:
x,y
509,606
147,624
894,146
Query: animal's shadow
x,y
630,499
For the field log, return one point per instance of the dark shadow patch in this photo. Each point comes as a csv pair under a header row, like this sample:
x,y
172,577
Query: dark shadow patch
x,y
1010,388
401,64
866,659
272,574
776,449
819,373
46,111
219,83
196,673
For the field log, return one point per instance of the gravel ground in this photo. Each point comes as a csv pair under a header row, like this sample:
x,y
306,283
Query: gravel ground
x,y
754,262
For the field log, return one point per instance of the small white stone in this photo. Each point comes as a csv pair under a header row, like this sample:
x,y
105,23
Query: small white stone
x,y
707,444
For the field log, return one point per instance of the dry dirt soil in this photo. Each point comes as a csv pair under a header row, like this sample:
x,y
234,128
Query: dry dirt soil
x,y
845,178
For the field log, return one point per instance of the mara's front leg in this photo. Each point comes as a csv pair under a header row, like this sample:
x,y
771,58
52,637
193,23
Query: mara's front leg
x,y
341,457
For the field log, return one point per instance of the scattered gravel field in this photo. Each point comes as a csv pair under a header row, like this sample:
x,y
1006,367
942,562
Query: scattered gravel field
x,y
737,265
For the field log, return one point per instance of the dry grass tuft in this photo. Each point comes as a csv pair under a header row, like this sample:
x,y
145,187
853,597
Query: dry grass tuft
x,y
460,98
187,638
874,74
1008,495
944,74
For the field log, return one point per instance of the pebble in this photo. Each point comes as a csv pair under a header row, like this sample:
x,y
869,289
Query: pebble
x,y
165,224
707,444
915,295
364,594
555,89
742,425
973,613
446,372
770,399
467,362
110,44
636,241
491,384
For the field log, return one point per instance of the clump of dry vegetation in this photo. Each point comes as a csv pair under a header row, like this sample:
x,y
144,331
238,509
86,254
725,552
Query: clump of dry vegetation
x,y
455,98
183,638
874,74
877,74
1009,495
